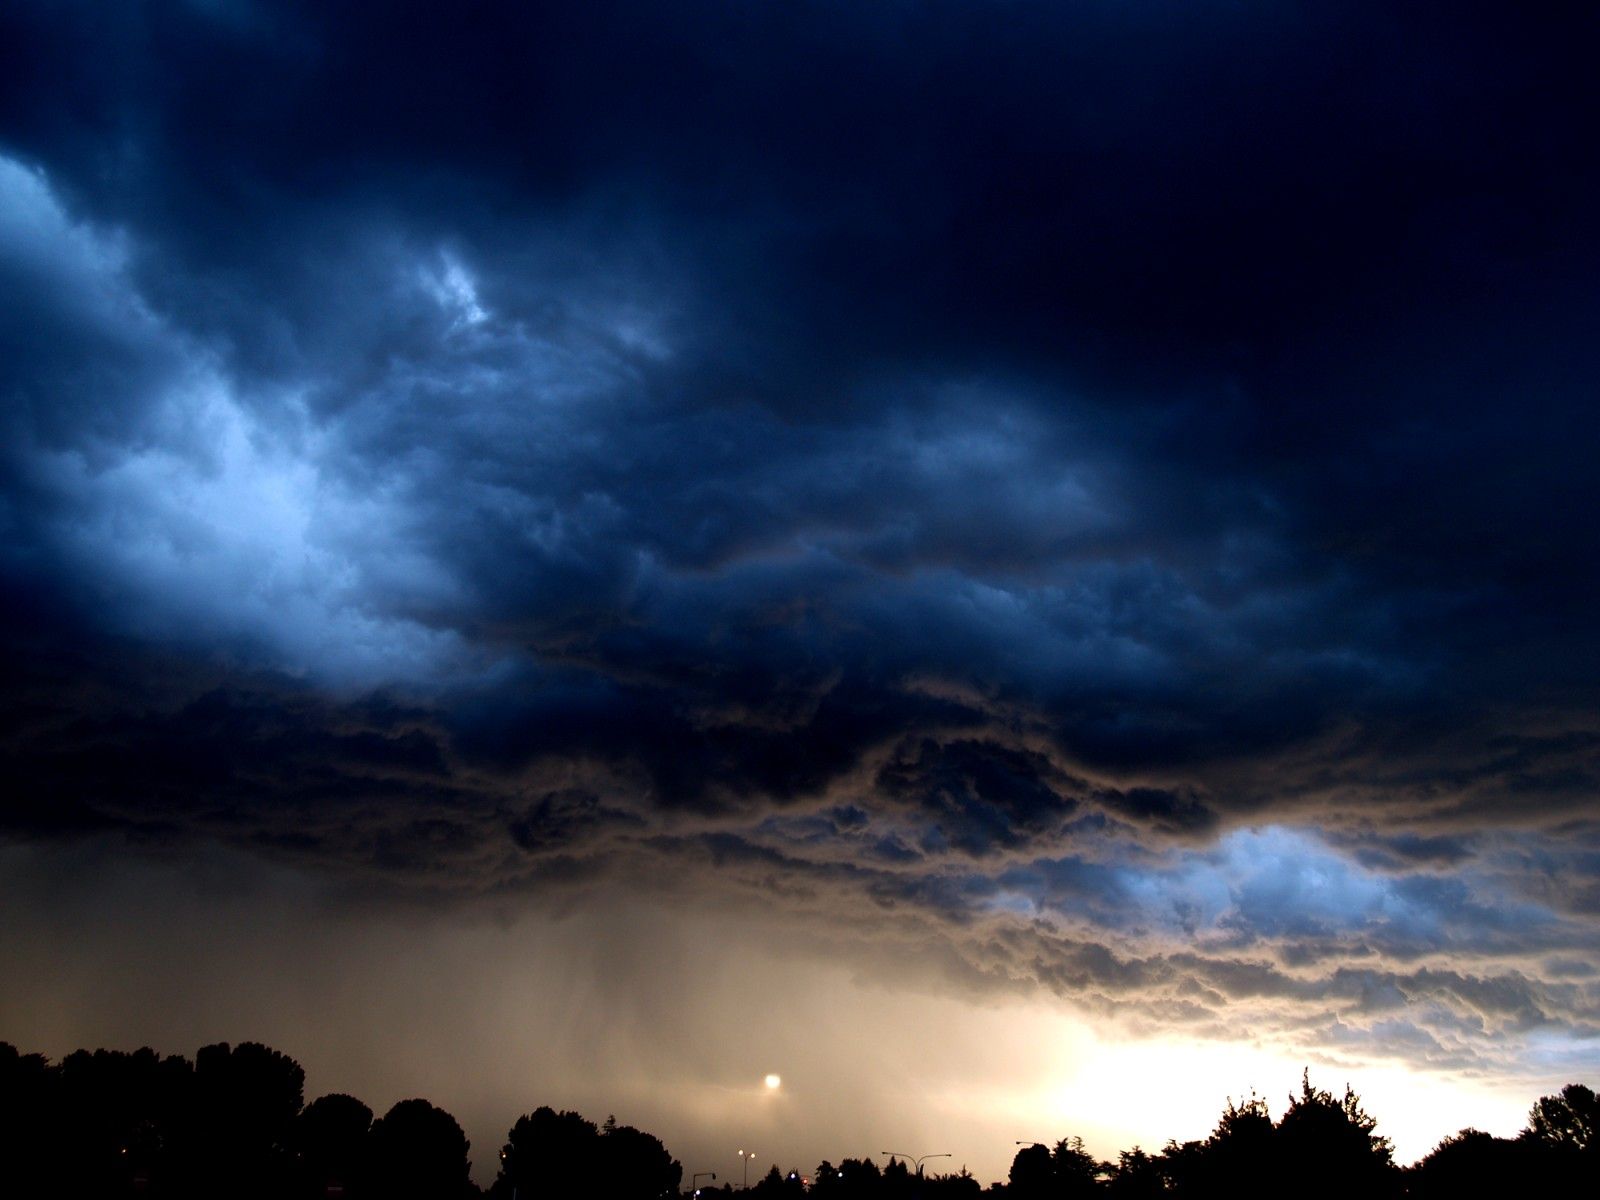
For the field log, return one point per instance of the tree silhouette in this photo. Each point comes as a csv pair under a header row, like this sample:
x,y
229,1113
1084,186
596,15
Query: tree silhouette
x,y
1075,1172
1474,1163
1182,1168
1136,1176
776,1185
548,1153
330,1145
1239,1158
1064,1172
896,1181
242,1107
959,1186
28,1121
418,1152
634,1165
859,1178
825,1180
109,1124
1030,1173
1570,1120
1332,1148
1564,1134
250,1086
107,1114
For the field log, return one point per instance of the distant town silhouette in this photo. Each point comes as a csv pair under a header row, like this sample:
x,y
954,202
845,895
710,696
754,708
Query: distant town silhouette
x,y
234,1122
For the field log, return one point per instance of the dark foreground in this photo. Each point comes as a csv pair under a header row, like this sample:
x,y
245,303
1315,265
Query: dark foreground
x,y
233,1122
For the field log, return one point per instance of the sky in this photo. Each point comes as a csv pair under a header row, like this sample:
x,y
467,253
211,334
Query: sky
x,y
1028,568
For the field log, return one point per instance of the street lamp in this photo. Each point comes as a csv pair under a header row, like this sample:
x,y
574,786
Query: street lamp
x,y
746,1156
698,1176
893,1154
505,1159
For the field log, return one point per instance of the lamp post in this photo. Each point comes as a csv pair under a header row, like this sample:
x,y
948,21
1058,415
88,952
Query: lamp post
x,y
745,1157
918,1161
698,1176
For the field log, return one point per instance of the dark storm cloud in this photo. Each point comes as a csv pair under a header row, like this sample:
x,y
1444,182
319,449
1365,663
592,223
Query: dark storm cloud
x,y
959,460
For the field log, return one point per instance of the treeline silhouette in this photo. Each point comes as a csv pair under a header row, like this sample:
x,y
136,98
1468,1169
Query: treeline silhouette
x,y
234,1122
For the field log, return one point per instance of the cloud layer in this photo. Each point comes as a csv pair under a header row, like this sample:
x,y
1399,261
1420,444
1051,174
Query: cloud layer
x,y
1100,494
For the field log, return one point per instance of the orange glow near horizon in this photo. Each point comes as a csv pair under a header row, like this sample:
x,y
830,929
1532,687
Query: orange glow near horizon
x,y
870,1057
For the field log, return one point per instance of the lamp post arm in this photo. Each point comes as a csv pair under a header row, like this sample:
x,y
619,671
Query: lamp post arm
x,y
912,1158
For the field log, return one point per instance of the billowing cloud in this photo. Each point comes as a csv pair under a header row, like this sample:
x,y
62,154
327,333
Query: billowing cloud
x,y
1098,496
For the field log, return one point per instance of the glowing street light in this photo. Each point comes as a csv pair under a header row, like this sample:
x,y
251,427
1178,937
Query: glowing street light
x,y
505,1158
893,1154
773,1082
746,1156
